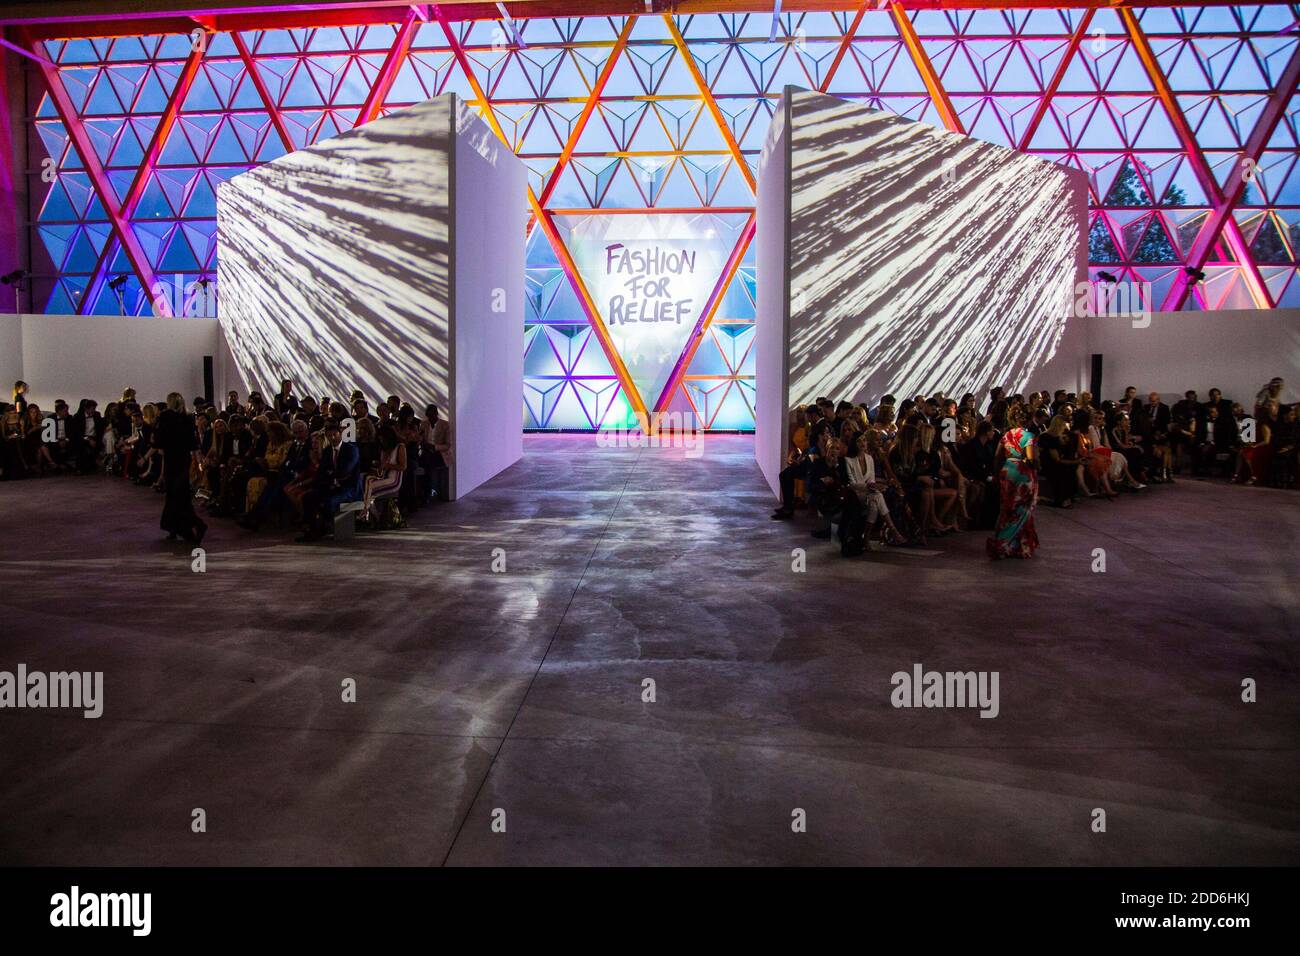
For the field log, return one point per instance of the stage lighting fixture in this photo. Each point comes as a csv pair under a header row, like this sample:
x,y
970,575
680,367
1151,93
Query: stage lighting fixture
x,y
117,282
1196,275
13,278
1107,277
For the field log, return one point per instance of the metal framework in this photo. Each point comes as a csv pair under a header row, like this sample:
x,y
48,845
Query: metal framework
x,y
1186,119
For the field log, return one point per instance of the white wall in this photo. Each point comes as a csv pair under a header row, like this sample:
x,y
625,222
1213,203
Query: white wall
x,y
771,328
334,262
360,263
489,186
1234,351
96,356
11,353
921,259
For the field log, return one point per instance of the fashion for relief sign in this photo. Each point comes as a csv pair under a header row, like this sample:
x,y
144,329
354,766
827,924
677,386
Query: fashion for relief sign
x,y
648,284
650,277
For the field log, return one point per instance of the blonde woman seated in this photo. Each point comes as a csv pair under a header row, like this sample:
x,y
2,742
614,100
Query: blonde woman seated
x,y
945,489
278,440
885,425
861,466
386,479
1105,459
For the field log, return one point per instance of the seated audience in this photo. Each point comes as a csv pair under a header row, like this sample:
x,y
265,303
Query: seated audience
x,y
892,474
337,481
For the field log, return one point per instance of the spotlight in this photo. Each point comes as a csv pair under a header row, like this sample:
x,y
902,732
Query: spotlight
x,y
1196,275
15,277
116,284
1107,277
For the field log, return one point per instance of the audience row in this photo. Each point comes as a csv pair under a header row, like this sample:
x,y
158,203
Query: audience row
x,y
299,459
903,472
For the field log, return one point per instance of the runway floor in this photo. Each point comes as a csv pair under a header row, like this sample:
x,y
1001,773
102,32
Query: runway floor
x,y
515,696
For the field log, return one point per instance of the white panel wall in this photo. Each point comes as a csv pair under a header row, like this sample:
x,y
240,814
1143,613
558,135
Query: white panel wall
x,y
921,259
11,353
771,331
914,260
96,356
372,261
489,186
334,261
1234,351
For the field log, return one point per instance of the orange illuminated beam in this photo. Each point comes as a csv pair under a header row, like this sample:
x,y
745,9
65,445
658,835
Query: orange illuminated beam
x,y
845,43
552,235
593,315
588,109
706,317
707,95
923,65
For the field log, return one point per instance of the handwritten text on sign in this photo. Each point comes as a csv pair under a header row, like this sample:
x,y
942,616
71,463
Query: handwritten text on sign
x,y
647,276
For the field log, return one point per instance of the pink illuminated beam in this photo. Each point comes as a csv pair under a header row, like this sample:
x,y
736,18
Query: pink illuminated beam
x,y
1221,219
1204,175
1045,101
255,77
392,66
706,316
135,192
91,166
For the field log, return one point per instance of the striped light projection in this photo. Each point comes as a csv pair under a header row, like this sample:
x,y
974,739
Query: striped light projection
x,y
919,259
1185,120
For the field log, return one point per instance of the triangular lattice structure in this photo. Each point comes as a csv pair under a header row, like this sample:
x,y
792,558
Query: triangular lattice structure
x,y
1185,119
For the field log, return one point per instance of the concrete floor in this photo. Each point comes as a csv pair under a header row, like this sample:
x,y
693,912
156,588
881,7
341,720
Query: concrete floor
x,y
522,690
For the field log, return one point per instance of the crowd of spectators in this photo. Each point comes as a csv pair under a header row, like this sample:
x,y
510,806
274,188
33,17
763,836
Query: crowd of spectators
x,y
904,472
292,459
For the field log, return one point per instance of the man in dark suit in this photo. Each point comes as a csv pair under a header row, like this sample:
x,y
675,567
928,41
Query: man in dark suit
x,y
1184,425
1224,406
235,450
338,479
1130,403
1216,435
85,436
1151,424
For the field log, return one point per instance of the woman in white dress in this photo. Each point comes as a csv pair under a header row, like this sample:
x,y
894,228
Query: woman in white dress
x,y
862,479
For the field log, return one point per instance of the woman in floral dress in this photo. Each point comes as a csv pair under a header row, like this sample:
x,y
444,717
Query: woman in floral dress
x,y
1014,536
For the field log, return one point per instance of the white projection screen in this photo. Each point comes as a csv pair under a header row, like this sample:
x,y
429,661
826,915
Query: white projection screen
x,y
354,264
915,260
